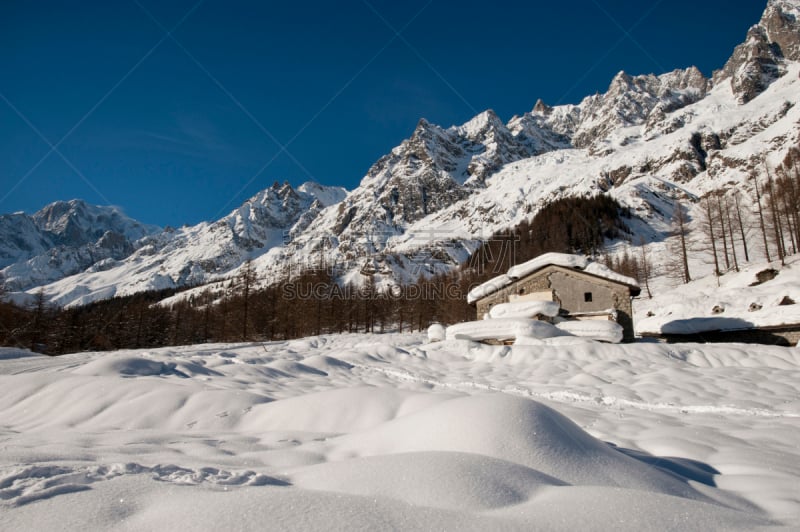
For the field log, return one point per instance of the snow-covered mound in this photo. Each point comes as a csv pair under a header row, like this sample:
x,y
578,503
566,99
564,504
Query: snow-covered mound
x,y
7,353
437,332
601,330
502,329
375,431
525,309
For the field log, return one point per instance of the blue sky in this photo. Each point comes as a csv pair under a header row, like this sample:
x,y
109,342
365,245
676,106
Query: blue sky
x,y
179,111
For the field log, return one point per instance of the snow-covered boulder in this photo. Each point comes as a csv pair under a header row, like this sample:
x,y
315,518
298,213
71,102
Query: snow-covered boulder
x,y
525,309
602,330
502,329
436,333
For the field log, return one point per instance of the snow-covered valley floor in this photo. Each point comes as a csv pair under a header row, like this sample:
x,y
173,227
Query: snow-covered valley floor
x,y
388,431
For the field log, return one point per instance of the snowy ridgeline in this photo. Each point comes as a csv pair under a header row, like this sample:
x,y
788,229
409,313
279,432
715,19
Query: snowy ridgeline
x,y
388,431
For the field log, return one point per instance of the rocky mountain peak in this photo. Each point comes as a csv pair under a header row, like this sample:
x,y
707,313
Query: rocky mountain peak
x,y
681,80
324,196
620,83
481,126
630,100
287,192
781,20
58,217
542,108
759,60
76,223
423,126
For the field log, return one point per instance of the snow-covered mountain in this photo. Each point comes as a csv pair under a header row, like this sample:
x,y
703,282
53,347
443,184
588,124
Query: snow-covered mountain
x,y
189,255
648,141
62,239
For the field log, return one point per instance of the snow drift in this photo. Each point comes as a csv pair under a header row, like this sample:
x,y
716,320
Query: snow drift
x,y
387,430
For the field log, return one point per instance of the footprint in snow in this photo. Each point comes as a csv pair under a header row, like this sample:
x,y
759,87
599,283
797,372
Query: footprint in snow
x,y
24,485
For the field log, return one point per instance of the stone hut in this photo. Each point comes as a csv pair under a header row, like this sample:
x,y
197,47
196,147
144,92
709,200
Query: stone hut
x,y
584,289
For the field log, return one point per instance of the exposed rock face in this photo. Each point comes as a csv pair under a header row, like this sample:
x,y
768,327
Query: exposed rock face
x,y
430,171
754,65
20,239
76,222
759,60
781,20
630,100
252,225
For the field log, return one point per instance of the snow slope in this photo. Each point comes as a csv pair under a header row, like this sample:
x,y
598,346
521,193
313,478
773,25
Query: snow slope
x,y
387,431
736,300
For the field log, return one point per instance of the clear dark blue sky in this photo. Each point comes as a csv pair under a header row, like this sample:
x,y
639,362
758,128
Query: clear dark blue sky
x,y
183,130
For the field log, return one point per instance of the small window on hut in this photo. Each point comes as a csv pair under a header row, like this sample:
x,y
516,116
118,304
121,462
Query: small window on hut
x,y
587,297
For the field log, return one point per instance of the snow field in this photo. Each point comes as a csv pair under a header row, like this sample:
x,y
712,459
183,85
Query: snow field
x,y
379,431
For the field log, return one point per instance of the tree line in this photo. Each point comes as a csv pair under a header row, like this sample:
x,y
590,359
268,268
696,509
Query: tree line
x,y
733,224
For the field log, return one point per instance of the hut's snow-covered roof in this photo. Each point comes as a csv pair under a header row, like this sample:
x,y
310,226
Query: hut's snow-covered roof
x,y
565,260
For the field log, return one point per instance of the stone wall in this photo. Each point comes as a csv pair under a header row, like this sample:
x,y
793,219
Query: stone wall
x,y
783,336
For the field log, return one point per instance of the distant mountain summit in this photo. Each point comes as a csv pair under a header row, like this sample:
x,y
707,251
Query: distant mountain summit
x,y
649,141
75,222
64,238
761,59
